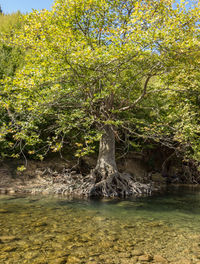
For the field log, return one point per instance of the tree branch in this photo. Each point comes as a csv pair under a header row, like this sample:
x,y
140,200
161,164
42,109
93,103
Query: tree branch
x,y
140,97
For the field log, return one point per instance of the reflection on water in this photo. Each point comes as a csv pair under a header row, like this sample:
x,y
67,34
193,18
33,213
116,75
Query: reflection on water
x,y
159,229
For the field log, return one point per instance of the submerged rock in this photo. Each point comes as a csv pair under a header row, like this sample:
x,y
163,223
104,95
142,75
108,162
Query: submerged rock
x,y
137,252
145,258
124,255
40,224
9,248
62,260
6,239
73,260
159,259
3,211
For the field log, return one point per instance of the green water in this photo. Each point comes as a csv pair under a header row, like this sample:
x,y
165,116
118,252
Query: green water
x,y
56,230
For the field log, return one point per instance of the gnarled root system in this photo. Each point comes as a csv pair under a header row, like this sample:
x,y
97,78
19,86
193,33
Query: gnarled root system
x,y
118,185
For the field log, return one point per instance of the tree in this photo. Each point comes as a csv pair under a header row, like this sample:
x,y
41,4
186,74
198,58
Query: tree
x,y
11,58
1,12
92,64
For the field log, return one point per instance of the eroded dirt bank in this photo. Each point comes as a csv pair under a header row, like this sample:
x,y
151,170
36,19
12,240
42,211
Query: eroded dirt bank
x,y
57,176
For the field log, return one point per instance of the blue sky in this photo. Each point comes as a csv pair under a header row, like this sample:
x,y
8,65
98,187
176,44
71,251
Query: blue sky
x,y
9,6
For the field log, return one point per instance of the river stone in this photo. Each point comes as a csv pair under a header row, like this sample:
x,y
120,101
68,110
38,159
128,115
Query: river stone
x,y
23,244
124,203
11,191
99,218
128,226
160,259
60,261
94,254
106,244
9,249
73,259
184,261
3,191
129,261
91,259
31,254
136,252
145,258
108,258
6,239
39,224
81,254
118,248
125,261
124,255
3,211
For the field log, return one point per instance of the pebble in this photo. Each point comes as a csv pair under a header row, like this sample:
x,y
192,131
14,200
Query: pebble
x,y
60,261
39,224
11,191
160,259
73,260
6,239
145,258
3,211
136,252
9,249
124,255
183,261
3,191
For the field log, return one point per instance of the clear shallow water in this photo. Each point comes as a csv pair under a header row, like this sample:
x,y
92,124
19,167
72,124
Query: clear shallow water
x,y
56,230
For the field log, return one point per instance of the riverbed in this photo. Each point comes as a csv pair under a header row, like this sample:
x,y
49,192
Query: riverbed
x,y
164,228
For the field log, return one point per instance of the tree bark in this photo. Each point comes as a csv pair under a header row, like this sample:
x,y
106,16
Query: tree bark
x,y
106,164
106,172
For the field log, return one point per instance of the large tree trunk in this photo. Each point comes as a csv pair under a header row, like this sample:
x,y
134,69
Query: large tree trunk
x,y
106,164
107,180
106,168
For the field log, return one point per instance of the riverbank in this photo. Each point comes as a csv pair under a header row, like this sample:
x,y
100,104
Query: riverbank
x,y
68,183
71,178
63,178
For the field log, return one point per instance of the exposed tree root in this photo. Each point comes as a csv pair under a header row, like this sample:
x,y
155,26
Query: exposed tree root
x,y
119,185
95,184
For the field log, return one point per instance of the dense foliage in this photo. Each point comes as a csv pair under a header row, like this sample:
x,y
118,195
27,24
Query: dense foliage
x,y
130,65
11,58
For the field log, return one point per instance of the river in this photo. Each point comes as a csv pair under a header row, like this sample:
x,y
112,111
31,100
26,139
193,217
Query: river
x,y
164,228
